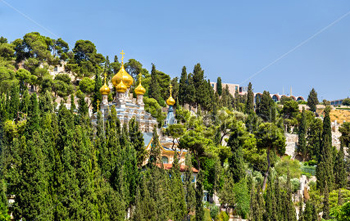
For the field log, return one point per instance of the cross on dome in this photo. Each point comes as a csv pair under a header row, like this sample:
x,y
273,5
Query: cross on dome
x,y
122,53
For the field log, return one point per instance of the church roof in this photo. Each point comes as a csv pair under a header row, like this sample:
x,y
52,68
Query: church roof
x,y
183,168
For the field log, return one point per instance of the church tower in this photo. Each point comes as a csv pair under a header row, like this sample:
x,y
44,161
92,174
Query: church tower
x,y
170,118
140,91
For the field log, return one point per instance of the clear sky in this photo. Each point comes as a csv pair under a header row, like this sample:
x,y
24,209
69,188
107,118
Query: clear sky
x,y
231,39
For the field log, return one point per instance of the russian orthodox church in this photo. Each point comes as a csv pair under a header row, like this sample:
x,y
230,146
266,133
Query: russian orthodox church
x,y
128,107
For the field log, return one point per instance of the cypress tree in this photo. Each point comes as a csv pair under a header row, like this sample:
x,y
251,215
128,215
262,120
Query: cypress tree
x,y
32,199
154,89
236,159
312,100
25,102
260,207
33,116
219,86
97,95
183,86
199,197
308,212
83,108
14,102
339,169
291,214
178,203
326,203
340,198
302,135
136,139
3,202
72,103
199,84
270,202
250,99
154,155
189,186
301,217
266,108
191,91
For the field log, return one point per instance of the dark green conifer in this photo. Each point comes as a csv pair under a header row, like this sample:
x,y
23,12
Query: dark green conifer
x,y
236,159
14,102
199,197
302,136
191,91
97,96
312,100
266,109
25,102
189,185
326,203
3,202
250,99
183,86
219,86
136,139
339,169
154,89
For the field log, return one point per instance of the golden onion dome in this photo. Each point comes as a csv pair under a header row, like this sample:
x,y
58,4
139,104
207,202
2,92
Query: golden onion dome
x,y
122,75
140,90
170,101
121,87
104,90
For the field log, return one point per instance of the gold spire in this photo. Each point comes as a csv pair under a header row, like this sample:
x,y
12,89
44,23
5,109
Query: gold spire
x,y
140,90
121,87
104,90
122,75
170,100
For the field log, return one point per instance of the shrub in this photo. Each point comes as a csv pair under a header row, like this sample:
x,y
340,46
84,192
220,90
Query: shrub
x,y
222,216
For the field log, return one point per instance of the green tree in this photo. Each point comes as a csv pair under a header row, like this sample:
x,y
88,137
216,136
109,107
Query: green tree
x,y
266,108
3,202
326,203
250,99
339,169
219,86
199,197
183,86
97,96
136,139
346,102
271,138
302,136
154,89
312,100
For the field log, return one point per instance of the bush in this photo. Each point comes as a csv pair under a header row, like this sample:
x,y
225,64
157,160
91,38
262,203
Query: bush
x,y
222,216
295,184
214,211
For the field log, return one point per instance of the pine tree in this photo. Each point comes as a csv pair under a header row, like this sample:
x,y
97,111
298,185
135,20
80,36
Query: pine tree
x,y
154,89
312,100
326,203
199,197
302,135
339,169
154,155
250,99
219,86
183,86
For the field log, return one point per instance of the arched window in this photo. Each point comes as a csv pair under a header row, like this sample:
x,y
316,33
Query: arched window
x,y
165,159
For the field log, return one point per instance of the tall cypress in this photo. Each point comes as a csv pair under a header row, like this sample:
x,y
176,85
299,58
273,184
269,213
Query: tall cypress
x,y
250,99
97,95
339,169
189,186
326,203
3,202
191,91
183,86
312,100
14,102
136,139
302,135
199,197
236,159
266,108
219,86
154,89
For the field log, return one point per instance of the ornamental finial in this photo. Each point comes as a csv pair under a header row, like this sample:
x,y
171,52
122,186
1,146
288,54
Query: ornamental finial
x,y
105,77
122,53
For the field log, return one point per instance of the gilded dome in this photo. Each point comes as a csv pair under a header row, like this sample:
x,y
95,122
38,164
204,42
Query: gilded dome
x,y
122,75
121,87
170,101
140,90
104,90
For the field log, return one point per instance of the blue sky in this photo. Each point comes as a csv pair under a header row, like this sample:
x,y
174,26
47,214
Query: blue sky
x,y
231,39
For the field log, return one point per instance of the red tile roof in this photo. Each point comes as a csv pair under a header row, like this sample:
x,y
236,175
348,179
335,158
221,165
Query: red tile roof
x,y
168,166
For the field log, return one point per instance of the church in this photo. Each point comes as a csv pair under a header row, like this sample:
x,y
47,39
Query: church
x,y
128,107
